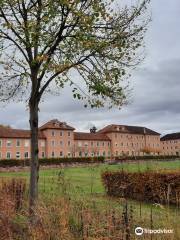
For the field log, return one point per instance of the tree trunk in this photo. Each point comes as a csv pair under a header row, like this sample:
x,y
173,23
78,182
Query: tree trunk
x,y
34,175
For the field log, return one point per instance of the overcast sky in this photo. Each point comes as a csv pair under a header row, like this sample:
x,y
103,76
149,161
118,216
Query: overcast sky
x,y
156,86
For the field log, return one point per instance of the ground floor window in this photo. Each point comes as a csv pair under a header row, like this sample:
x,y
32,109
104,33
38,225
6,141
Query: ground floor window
x,y
18,155
80,154
26,155
52,154
61,154
69,154
8,155
86,154
43,154
104,154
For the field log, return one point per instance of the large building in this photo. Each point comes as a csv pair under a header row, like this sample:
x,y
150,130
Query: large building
x,y
170,144
58,139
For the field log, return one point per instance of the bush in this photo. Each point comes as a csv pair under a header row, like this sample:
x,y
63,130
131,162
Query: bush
x,y
147,186
146,157
50,161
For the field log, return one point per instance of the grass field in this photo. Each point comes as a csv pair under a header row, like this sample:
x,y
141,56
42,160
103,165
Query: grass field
x,y
83,184
87,179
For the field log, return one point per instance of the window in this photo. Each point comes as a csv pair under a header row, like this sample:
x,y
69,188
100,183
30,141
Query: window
x,y
86,144
0,155
116,153
42,143
61,133
18,143
104,153
116,144
61,154
43,154
103,144
53,133
80,154
26,155
109,153
61,143
8,143
8,155
69,154
18,155
79,144
86,154
108,144
92,154
26,143
69,143
91,144
0,143
52,154
69,134
52,143
97,144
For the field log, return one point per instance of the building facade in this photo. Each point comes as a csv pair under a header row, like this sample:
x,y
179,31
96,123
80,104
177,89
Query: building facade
x,y
58,139
170,144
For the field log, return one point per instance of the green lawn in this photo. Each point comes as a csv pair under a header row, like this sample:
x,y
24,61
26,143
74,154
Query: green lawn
x,y
87,179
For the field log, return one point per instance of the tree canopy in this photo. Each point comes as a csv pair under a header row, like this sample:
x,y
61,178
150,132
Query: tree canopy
x,y
50,40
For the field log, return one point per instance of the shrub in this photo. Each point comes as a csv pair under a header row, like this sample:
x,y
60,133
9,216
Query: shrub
x,y
146,186
51,161
146,157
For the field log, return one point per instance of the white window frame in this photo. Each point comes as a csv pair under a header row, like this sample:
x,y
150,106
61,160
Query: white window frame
x,y
8,143
26,143
18,140
18,155
27,155
7,155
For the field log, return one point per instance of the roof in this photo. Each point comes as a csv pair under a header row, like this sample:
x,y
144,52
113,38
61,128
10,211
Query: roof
x,y
127,129
90,136
171,136
16,133
56,124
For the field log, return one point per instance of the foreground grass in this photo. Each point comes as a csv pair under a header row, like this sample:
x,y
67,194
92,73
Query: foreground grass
x,y
83,185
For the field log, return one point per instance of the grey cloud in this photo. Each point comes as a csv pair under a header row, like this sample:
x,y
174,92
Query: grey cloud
x,y
156,86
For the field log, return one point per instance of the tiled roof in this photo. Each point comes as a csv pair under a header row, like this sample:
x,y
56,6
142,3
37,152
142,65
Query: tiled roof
x,y
56,124
16,133
90,136
127,129
172,136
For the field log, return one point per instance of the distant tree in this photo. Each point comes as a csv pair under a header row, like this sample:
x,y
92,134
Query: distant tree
x,y
48,41
5,126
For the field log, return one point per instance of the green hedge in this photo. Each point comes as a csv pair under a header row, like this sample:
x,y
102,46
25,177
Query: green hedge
x,y
143,186
147,157
50,161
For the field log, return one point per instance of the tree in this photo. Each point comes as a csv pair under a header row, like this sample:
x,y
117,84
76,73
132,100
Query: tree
x,y
47,41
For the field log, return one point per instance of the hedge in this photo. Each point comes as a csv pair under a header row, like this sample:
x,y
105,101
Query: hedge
x,y
50,161
144,186
147,157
